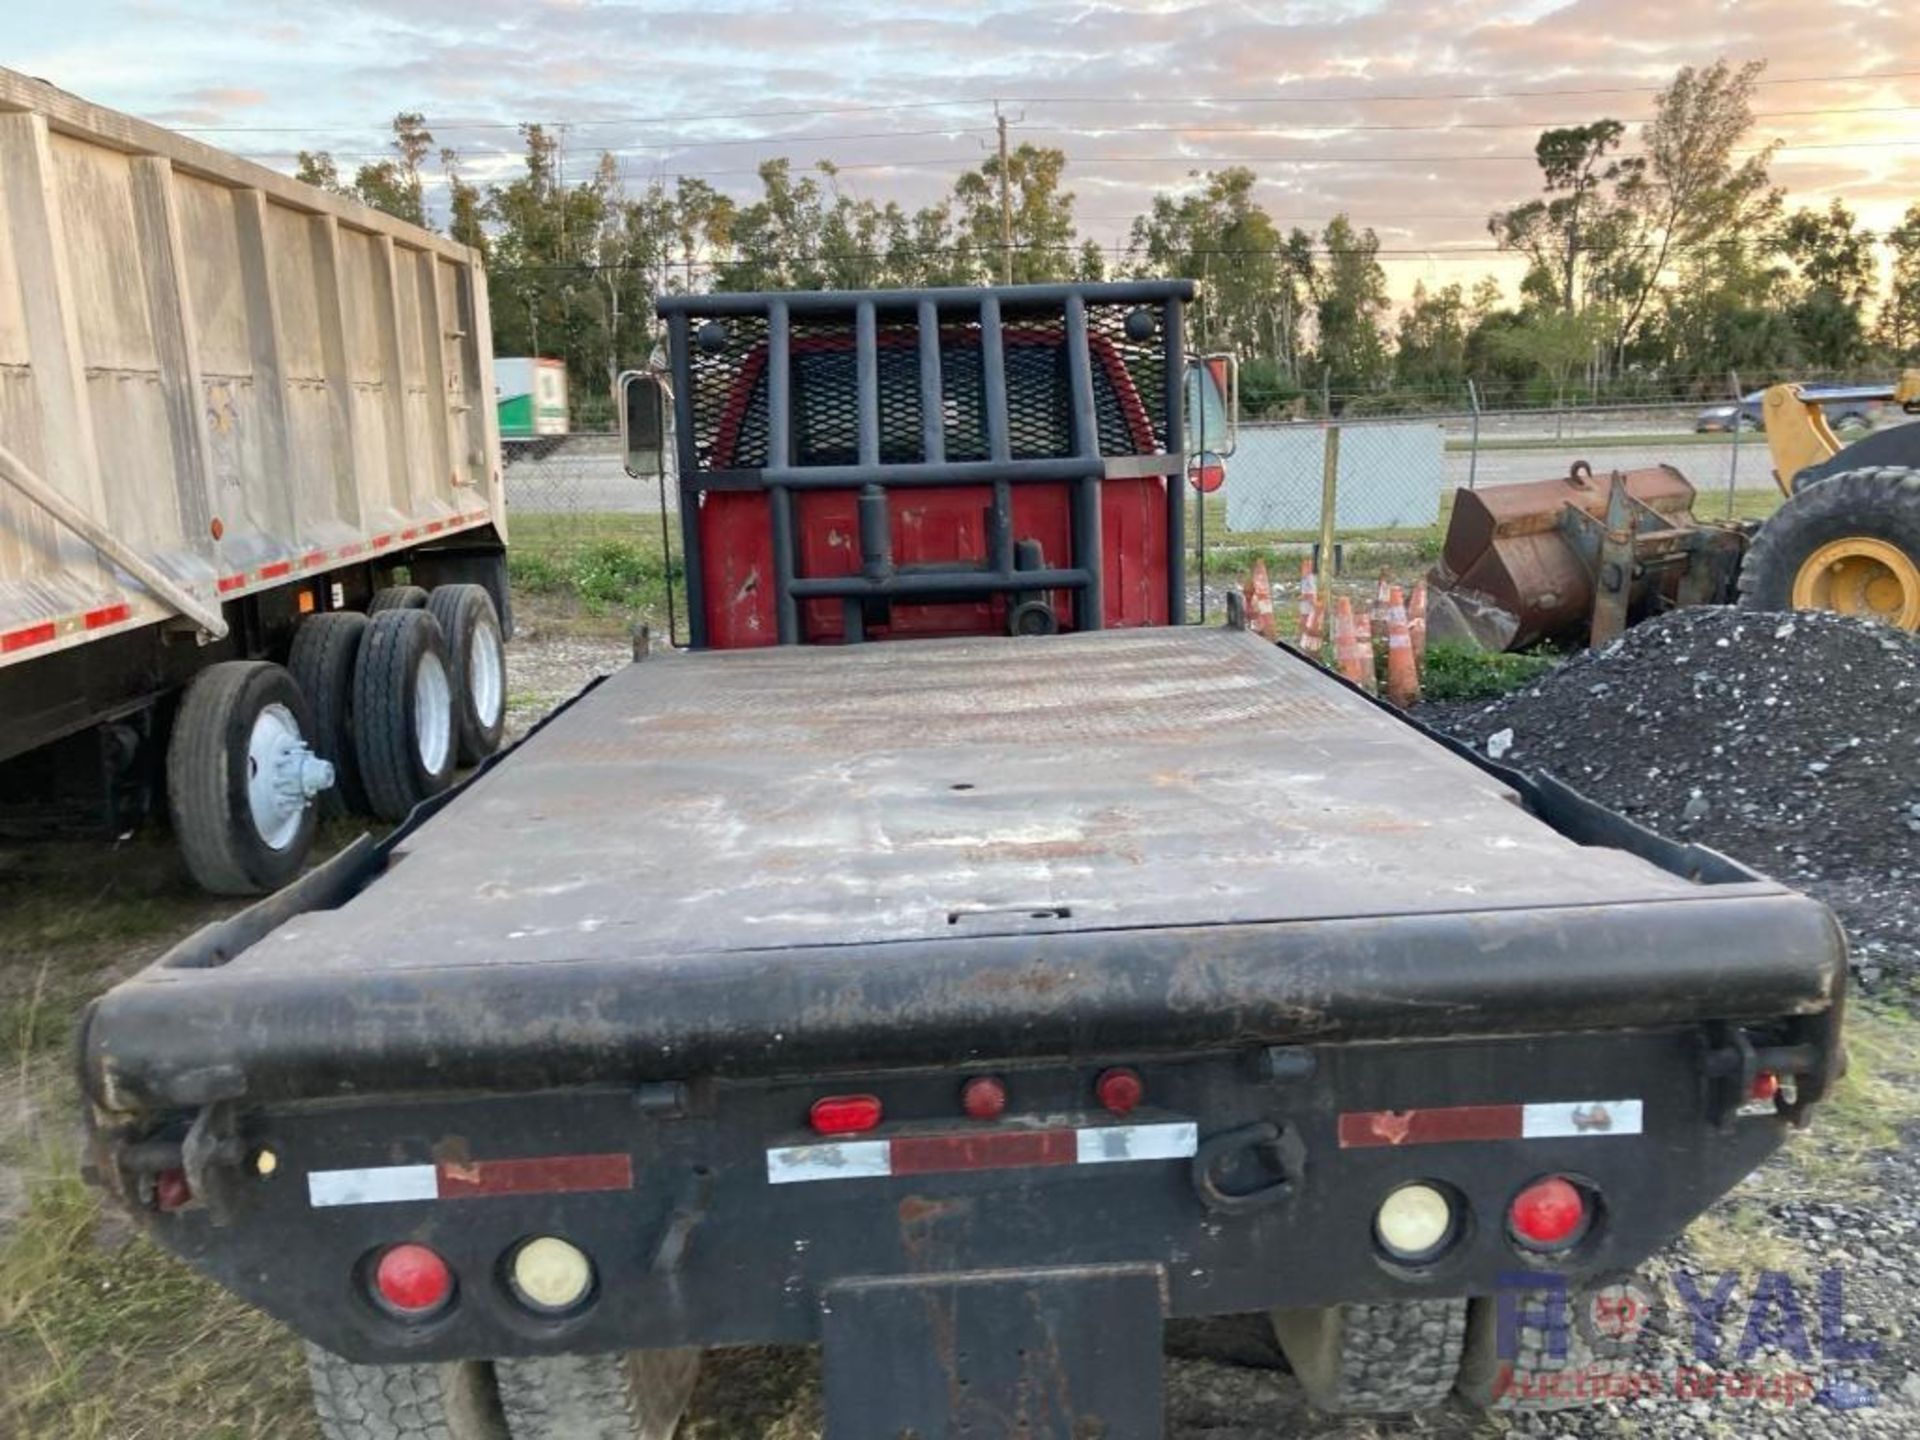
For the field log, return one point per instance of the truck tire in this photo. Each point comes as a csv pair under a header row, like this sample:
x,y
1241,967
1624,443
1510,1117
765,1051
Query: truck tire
x,y
455,1401
403,729
241,778
639,1395
479,657
322,663
1849,543
397,597
1534,1379
1377,1358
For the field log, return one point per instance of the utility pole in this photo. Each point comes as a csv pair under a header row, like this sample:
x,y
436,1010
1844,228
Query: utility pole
x,y
1006,202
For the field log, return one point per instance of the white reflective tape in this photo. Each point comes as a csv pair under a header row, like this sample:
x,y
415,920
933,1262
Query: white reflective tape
x,y
835,1160
1567,1118
380,1185
1108,1144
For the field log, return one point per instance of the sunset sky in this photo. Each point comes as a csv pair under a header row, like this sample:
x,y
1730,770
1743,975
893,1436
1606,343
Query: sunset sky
x,y
1415,118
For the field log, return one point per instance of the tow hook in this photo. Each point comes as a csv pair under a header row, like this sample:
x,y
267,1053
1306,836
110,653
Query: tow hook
x,y
1240,1171
1730,1062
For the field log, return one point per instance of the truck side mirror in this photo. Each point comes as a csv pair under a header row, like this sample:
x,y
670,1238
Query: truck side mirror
x,y
1213,404
643,423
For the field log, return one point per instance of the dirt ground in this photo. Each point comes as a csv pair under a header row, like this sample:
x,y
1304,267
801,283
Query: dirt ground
x,y
103,1338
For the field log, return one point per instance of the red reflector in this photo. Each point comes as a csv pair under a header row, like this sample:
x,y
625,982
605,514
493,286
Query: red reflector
x,y
845,1114
1766,1085
170,1190
1548,1212
1000,1149
413,1280
1120,1090
984,1097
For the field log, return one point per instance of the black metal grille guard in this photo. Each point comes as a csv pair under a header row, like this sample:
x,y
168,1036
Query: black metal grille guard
x,y
770,321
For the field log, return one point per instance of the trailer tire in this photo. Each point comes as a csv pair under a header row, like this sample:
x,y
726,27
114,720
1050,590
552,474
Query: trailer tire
x,y
1863,524
397,597
1374,1358
240,835
638,1395
325,648
454,1401
403,714
1534,1379
479,667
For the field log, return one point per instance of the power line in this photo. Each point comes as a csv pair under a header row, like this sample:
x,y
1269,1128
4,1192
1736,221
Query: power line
x,y
922,162
1351,98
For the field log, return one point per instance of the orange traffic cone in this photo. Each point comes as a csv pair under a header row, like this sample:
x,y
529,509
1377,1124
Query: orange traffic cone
x,y
1309,592
1345,650
1417,622
1363,647
1380,591
1403,675
1260,602
1313,631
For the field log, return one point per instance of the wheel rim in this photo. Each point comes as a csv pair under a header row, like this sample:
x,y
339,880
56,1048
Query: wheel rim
x,y
484,678
281,776
1861,576
432,714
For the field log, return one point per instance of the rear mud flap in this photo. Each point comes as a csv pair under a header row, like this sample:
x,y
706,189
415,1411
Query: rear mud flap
x,y
1070,1354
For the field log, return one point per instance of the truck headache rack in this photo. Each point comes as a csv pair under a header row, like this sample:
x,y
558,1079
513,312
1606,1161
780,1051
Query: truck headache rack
x,y
799,416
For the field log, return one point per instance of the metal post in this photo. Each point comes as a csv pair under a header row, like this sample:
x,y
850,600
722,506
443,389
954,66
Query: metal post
x,y
1733,466
1175,357
1329,502
780,452
1006,201
1084,498
1199,447
1473,444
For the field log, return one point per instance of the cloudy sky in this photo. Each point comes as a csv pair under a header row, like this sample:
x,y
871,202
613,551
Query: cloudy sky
x,y
1416,118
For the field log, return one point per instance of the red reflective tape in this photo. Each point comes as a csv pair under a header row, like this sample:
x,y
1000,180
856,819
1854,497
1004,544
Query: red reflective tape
x,y
380,542
996,1150
231,582
276,570
434,526
313,558
1362,1128
106,615
543,1175
31,635
409,534
347,552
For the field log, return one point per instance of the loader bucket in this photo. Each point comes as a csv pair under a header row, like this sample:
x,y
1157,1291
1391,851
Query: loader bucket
x,y
1518,569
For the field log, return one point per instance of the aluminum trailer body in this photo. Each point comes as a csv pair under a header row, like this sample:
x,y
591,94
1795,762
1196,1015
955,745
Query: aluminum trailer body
x,y
227,400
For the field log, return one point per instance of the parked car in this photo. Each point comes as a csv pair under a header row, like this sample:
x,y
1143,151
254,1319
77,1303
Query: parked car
x,y
1847,407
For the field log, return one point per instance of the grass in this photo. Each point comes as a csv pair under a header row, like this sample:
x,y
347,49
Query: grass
x,y
600,568
1459,672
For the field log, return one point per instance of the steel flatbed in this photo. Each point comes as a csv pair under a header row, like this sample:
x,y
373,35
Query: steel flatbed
x,y
761,859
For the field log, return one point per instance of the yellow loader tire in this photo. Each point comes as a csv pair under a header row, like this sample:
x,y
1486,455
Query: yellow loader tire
x,y
1850,544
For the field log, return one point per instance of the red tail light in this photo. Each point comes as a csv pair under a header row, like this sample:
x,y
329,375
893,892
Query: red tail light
x,y
845,1114
1549,1213
984,1097
413,1280
1765,1086
1120,1090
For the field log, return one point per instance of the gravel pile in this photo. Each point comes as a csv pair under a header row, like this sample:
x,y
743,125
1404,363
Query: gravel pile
x,y
1790,742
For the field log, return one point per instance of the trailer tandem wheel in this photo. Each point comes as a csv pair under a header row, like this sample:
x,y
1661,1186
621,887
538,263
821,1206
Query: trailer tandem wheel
x,y
638,1395
242,777
397,597
479,665
403,715
453,1401
325,648
1374,1358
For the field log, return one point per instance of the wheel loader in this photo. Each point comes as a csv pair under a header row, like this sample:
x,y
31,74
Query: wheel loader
x,y
1582,557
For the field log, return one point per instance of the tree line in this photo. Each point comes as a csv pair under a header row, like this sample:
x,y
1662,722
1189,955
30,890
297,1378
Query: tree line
x,y
1655,272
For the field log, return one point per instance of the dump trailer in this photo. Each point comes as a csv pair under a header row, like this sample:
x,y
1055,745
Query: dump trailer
x,y
235,412
956,961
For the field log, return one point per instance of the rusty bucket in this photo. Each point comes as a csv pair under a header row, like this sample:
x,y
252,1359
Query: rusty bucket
x,y
1569,559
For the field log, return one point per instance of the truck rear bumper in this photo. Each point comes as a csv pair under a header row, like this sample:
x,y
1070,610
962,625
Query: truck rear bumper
x,y
712,1214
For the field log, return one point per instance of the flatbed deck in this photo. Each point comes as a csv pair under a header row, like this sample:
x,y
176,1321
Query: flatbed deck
x,y
794,797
